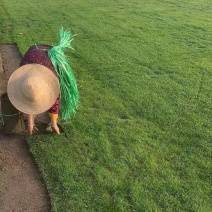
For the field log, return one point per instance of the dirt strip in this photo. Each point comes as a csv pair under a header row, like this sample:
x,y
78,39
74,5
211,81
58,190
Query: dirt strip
x,y
21,184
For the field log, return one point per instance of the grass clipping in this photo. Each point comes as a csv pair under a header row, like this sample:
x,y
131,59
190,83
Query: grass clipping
x,y
69,94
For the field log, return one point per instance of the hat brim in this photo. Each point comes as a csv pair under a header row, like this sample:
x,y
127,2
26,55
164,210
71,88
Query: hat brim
x,y
49,93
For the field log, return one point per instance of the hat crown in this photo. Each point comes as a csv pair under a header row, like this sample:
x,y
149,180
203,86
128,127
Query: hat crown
x,y
32,88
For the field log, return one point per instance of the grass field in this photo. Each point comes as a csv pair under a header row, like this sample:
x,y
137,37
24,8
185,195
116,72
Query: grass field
x,y
141,138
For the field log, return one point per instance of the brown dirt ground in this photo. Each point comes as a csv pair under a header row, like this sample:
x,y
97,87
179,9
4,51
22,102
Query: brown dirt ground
x,y
21,185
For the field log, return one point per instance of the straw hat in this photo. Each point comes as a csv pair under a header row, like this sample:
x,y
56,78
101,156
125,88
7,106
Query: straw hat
x,y
33,88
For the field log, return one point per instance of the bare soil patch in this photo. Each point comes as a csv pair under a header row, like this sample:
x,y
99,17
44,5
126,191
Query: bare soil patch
x,y
21,184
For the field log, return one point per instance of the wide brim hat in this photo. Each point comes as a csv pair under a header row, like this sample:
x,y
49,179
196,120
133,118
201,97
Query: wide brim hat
x,y
33,88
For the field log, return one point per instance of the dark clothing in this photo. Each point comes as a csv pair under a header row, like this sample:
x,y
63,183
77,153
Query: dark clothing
x,y
38,54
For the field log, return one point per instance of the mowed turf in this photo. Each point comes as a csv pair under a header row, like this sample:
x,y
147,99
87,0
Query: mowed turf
x,y
141,137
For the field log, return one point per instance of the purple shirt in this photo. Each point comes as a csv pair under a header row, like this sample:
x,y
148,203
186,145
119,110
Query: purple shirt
x,y
38,54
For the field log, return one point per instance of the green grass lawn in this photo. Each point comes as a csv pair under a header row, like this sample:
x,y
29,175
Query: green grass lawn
x,y
141,138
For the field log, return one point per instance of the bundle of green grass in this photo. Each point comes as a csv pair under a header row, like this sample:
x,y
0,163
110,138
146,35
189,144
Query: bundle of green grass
x,y
69,95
